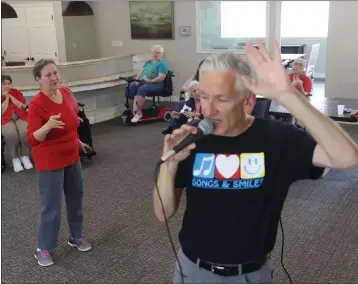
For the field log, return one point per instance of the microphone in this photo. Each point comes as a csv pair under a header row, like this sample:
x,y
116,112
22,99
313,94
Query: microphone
x,y
205,127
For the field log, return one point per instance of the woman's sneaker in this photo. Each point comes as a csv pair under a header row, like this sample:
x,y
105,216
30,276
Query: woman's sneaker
x,y
136,118
16,163
81,244
25,160
44,258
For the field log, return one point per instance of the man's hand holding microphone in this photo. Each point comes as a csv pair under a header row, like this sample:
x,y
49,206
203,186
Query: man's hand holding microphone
x,y
171,140
177,147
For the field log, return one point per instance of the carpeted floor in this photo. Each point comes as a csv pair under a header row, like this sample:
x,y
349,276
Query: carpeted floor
x,y
320,221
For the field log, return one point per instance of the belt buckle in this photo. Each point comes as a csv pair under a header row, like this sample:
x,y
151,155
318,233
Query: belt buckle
x,y
217,267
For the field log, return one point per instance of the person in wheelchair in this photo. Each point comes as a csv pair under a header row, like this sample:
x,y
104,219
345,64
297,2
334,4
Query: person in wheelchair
x,y
151,76
189,112
74,101
84,129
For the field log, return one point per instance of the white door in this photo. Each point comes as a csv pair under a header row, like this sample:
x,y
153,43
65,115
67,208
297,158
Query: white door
x,y
41,32
14,43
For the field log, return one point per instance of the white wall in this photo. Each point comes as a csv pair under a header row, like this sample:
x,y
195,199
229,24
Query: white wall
x,y
342,50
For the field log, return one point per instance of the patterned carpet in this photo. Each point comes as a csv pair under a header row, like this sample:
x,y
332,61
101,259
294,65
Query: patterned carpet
x,y
320,221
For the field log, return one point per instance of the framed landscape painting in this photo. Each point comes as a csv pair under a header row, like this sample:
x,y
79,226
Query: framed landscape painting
x,y
152,19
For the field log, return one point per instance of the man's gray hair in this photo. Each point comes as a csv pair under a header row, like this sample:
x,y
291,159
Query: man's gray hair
x,y
158,47
230,62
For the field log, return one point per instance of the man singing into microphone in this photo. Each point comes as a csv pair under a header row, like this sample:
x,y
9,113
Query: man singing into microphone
x,y
238,177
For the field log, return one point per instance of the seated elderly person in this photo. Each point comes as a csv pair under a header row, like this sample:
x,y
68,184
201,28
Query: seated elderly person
x,y
152,76
84,128
14,124
190,112
74,101
298,77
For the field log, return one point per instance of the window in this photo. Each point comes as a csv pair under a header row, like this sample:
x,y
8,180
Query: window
x,y
243,19
227,25
304,18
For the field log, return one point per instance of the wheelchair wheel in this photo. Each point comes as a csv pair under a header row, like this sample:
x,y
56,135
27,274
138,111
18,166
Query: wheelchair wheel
x,y
167,115
126,117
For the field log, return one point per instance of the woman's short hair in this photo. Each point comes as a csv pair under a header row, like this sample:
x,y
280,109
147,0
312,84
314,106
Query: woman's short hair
x,y
161,49
6,78
193,83
300,61
39,66
190,85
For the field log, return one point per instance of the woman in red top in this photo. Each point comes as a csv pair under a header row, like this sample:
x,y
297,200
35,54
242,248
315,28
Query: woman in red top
x,y
14,124
52,133
299,79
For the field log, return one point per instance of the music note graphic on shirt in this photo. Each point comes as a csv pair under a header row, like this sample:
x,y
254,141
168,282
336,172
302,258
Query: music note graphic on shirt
x,y
203,165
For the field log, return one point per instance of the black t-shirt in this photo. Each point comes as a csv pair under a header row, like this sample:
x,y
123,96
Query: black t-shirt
x,y
236,187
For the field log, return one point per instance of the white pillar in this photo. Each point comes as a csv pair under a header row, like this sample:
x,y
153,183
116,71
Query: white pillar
x,y
273,23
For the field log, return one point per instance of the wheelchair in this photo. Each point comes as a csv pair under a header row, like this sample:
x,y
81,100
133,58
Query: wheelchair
x,y
84,132
155,112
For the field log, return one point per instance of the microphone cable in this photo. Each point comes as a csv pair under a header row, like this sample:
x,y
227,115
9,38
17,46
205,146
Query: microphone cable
x,y
282,249
156,175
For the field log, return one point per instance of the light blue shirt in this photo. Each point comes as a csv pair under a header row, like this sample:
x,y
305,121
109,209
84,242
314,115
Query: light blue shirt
x,y
151,70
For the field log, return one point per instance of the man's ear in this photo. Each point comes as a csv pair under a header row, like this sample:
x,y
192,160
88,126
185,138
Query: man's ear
x,y
250,103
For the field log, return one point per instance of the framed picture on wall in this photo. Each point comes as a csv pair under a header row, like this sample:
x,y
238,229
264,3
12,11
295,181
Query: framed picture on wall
x,y
152,19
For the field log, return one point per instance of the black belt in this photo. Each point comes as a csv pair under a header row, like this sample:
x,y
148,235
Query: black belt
x,y
232,269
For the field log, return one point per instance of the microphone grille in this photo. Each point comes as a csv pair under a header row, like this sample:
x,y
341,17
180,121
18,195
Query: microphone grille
x,y
206,126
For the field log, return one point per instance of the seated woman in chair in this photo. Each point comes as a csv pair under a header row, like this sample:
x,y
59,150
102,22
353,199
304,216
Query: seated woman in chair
x,y
14,124
190,111
152,76
298,77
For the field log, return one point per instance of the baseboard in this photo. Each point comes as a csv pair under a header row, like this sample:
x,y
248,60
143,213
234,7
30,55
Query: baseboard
x,y
107,113
319,75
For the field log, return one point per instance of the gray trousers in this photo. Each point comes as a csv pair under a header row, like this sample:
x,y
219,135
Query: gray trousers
x,y
194,274
52,184
15,135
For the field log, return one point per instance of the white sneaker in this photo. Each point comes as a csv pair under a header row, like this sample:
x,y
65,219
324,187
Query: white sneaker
x,y
16,163
26,162
136,118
